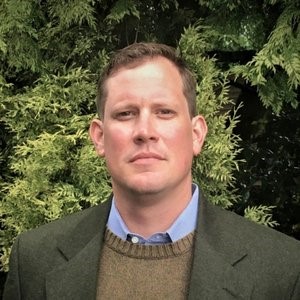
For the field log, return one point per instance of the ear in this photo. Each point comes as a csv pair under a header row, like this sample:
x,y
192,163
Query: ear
x,y
97,136
199,133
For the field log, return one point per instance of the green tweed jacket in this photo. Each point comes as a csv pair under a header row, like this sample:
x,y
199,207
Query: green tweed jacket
x,y
233,259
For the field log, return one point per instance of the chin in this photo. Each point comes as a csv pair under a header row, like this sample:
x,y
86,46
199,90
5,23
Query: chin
x,y
144,186
147,189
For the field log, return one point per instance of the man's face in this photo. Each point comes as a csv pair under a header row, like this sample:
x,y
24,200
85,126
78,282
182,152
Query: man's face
x,y
147,135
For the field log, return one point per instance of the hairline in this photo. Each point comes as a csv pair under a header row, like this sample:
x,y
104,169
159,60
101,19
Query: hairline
x,y
110,72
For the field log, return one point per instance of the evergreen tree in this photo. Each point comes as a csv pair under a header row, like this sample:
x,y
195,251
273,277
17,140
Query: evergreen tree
x,y
51,53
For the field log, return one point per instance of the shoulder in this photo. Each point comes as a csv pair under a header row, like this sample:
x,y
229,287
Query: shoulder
x,y
76,222
256,258
232,229
39,251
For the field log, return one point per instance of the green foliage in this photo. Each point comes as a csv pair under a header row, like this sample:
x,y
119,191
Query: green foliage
x,y
77,12
48,104
53,168
275,69
260,214
38,37
213,169
270,174
18,38
51,53
122,8
238,29
217,4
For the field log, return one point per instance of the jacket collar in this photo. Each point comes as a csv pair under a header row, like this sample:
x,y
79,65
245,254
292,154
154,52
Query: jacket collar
x,y
76,277
214,275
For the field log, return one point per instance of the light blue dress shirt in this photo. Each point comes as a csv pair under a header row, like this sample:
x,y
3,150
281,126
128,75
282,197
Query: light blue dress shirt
x,y
182,226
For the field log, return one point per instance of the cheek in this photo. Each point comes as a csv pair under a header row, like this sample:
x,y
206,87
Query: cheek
x,y
178,133
179,140
115,140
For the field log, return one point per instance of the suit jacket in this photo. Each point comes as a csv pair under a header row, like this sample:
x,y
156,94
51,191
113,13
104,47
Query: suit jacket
x,y
233,259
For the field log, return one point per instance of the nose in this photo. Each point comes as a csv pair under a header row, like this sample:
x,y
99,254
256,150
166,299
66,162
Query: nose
x,y
145,129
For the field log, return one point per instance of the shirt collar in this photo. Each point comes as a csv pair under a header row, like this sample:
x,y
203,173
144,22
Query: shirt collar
x,y
182,226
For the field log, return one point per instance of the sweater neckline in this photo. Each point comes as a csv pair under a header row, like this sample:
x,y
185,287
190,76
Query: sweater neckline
x,y
148,251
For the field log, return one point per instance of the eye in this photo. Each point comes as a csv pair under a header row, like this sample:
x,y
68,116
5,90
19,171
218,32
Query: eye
x,y
124,115
165,113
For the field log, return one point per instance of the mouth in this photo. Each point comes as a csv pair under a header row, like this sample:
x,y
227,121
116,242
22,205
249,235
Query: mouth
x,y
146,157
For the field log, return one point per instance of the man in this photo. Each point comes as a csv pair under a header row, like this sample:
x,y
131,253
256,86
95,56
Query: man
x,y
157,237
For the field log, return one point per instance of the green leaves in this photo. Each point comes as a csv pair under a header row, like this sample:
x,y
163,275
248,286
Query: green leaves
x,y
51,53
275,69
213,168
18,38
261,214
75,12
48,125
122,8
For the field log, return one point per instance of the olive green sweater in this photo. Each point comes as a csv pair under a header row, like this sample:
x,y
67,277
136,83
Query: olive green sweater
x,y
135,271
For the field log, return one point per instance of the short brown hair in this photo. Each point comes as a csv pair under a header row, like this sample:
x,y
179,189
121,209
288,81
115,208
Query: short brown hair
x,y
140,52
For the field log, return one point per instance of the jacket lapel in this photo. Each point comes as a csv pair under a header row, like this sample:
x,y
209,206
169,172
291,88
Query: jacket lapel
x,y
215,273
77,277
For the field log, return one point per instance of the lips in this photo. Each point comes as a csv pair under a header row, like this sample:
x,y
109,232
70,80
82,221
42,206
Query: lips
x,y
146,156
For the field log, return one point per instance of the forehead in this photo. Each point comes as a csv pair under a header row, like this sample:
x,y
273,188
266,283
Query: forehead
x,y
156,68
134,63
153,82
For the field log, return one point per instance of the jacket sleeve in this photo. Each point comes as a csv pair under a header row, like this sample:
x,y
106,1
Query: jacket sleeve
x,y
12,285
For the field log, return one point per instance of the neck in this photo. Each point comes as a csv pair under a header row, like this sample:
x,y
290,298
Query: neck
x,y
146,214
